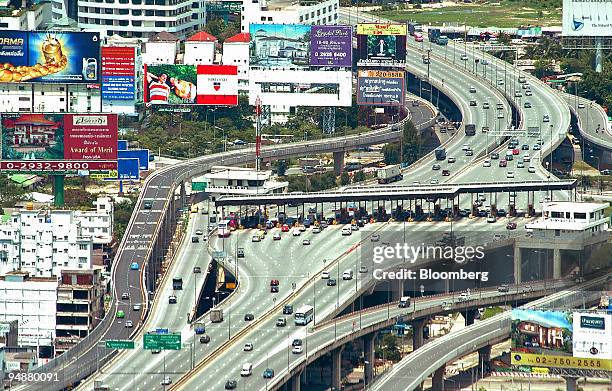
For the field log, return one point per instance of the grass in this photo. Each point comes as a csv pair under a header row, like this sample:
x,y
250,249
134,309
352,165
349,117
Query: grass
x,y
506,13
491,311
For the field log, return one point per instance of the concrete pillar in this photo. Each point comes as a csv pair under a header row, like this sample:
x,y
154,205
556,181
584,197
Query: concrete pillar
x,y
397,290
556,263
470,315
368,353
517,264
570,383
337,368
417,333
437,380
484,355
183,195
338,162
295,381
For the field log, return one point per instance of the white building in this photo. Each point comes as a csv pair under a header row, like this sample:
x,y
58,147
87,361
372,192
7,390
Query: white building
x,y
323,12
236,52
97,223
223,180
570,220
33,18
200,49
160,49
139,18
32,302
49,98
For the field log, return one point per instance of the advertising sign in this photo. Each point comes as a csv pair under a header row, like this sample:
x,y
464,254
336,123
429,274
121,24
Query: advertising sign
x,y
561,339
128,169
58,142
118,70
331,46
217,85
587,18
299,45
381,44
141,154
61,57
380,88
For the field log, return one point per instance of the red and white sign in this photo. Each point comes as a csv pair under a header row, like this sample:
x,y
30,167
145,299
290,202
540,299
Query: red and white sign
x,y
217,85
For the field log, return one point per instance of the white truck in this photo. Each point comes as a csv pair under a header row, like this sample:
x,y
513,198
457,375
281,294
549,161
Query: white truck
x,y
216,315
388,174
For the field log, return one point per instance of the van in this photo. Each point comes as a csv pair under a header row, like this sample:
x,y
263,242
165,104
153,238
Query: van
x,y
247,369
347,275
404,302
346,231
464,296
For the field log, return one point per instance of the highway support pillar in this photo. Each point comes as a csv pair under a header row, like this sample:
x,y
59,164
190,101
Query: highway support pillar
x,y
296,381
397,290
484,356
183,195
470,315
556,263
517,264
337,368
437,380
58,190
368,353
570,383
338,162
417,333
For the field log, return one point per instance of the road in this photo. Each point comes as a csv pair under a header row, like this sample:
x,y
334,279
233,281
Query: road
x,y
593,121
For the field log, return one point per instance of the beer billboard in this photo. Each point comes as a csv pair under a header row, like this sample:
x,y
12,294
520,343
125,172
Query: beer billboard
x,y
53,56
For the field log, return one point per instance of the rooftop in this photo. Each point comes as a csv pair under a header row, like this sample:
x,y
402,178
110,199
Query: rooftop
x,y
223,172
568,206
164,36
241,37
202,36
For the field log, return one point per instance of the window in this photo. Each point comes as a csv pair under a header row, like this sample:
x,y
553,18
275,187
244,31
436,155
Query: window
x,y
581,216
82,260
83,247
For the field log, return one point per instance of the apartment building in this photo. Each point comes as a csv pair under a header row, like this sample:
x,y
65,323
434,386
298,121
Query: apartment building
x,y
33,17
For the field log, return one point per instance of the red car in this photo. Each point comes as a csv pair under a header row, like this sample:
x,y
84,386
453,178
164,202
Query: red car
x,y
273,282
511,226
516,151
285,228
445,173
503,163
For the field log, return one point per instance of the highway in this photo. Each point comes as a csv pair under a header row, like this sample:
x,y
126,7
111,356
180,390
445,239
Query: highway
x,y
592,121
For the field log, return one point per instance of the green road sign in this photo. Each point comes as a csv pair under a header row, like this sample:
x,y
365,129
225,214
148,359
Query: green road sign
x,y
162,341
119,344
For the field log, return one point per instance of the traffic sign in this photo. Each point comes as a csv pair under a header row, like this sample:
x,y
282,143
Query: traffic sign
x,y
162,341
119,344
219,254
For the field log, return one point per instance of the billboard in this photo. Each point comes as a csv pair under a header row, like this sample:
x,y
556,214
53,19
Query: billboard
x,y
380,88
61,57
561,339
299,46
118,73
587,18
381,44
191,84
44,143
141,154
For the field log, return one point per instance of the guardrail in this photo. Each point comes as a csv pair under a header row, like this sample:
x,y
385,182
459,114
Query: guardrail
x,y
599,141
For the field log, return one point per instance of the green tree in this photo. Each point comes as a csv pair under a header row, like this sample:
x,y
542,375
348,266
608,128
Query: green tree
x,y
543,68
11,194
281,167
389,348
412,142
391,153
345,179
121,217
359,176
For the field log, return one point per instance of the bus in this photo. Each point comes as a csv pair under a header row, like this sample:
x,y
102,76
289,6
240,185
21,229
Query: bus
x,y
304,315
223,229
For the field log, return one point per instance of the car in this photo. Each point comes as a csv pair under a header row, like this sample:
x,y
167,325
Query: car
x,y
125,296
197,270
155,351
354,227
147,204
136,307
511,225
247,347
296,232
172,299
435,167
482,213
525,147
274,289
195,239
129,324
325,275
120,314
485,105
531,169
503,288
484,62
363,269
347,230
518,94
503,163
297,349
528,93
445,173
465,147
287,309
231,384
166,381
434,181
510,174
316,230
464,57
500,82
248,317
527,105
501,212
347,275
268,373
546,118
473,103
494,155
204,338
486,163
491,219
526,86
374,238
306,242
451,160
134,266
580,105
331,282
536,147
516,151
469,152
239,252
274,282
281,322
520,165
472,89
284,228
256,238
199,232
276,236
500,115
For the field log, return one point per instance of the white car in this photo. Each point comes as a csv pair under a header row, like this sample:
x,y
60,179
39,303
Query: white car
x,y
297,349
248,347
167,381
325,275
510,174
500,115
486,163
296,232
465,147
302,228
255,238
316,230
531,169
276,236
527,158
528,93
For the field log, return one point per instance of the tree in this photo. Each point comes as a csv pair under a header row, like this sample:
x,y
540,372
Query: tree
x,y
122,214
391,153
359,177
389,348
543,68
412,142
11,194
345,179
281,167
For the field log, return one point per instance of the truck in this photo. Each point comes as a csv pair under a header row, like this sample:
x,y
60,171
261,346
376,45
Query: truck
x,y
216,315
388,174
177,284
442,40
433,35
440,153
470,129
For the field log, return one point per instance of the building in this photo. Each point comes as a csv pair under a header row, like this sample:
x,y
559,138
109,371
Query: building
x,y
141,18
8,333
80,306
98,222
236,52
223,180
200,48
160,49
64,9
33,17
17,359
50,98
319,13
570,220
543,336
32,302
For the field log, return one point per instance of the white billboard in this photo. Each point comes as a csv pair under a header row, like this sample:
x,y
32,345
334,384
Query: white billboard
x,y
592,335
587,18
